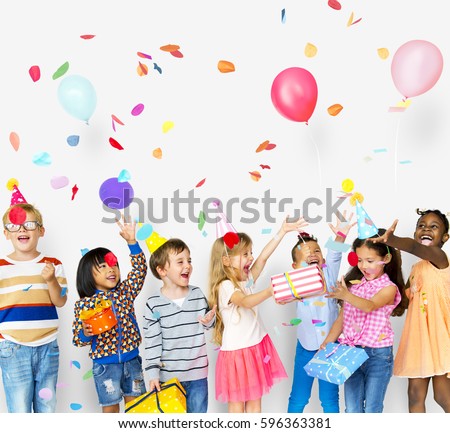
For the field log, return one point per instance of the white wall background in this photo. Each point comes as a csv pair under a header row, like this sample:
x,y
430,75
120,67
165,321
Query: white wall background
x,y
220,119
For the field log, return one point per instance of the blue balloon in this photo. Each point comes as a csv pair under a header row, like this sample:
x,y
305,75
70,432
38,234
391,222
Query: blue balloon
x,y
77,96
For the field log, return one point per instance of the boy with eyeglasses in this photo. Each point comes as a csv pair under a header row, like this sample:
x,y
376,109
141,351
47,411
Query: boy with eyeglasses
x,y
32,285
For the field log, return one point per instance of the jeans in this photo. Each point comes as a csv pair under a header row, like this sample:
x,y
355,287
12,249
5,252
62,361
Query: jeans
x,y
365,389
302,385
114,381
196,395
29,376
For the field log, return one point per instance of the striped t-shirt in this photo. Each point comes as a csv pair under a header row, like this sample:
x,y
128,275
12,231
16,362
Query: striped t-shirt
x,y
175,343
27,314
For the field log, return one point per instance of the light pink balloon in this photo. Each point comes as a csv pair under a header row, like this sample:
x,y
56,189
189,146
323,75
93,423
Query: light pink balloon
x,y
416,67
294,94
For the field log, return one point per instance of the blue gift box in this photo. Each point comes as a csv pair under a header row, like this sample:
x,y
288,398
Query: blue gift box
x,y
336,363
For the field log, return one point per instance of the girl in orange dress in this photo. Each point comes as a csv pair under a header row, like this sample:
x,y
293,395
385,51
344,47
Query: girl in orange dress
x,y
424,348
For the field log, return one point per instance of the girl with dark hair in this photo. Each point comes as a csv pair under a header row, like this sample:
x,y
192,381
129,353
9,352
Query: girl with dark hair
x,y
375,293
424,348
117,366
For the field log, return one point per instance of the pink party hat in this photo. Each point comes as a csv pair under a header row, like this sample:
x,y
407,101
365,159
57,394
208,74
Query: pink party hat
x,y
16,197
366,227
224,229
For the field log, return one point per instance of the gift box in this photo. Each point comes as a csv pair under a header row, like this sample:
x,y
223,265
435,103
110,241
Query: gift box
x,y
171,399
336,363
101,317
300,283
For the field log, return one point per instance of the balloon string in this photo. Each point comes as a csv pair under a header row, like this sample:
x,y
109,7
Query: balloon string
x,y
396,154
318,156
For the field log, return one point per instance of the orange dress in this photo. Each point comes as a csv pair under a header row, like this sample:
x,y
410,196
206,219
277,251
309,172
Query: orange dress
x,y
424,348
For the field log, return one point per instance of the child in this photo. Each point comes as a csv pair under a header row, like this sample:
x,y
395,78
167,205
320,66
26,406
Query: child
x,y
424,349
32,285
375,294
176,317
117,366
248,364
322,309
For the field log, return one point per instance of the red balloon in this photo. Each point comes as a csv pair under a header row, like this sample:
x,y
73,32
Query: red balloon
x,y
294,94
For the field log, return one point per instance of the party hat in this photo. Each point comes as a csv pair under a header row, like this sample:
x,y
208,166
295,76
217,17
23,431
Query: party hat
x,y
224,229
154,241
16,197
366,227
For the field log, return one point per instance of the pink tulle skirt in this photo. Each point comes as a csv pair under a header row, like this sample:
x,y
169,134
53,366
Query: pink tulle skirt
x,y
248,374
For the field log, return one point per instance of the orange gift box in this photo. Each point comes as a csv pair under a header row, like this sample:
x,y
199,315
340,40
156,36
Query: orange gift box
x,y
101,317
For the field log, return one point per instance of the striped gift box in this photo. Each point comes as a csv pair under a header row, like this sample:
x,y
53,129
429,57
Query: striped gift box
x,y
300,283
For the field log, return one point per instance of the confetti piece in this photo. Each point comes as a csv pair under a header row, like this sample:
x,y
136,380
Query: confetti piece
x,y
14,140
63,292
25,289
264,166
283,16
156,315
178,54
310,50
42,159
137,110
295,322
204,234
337,246
169,48
266,359
87,36
266,145
316,321
200,183
287,324
75,406
405,161
110,259
355,281
87,375
350,21
381,337
224,66
144,232
335,109
405,104
17,215
266,231
201,220
61,71
352,258
155,66
303,264
334,4
320,325
142,69
114,143
383,53
367,159
144,56
323,265
84,251
45,393
124,176
277,331
396,109
73,140
74,191
319,303
356,196
35,73
347,185
117,120
167,126
157,153
58,182
255,175
75,364
380,150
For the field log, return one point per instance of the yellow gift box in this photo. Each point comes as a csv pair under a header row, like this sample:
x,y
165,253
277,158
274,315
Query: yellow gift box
x,y
171,399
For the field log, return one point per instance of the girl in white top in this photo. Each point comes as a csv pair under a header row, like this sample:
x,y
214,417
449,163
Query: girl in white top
x,y
248,364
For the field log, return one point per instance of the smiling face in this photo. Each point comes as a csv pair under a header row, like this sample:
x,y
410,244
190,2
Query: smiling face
x,y
178,270
242,262
24,241
430,231
315,255
106,277
370,263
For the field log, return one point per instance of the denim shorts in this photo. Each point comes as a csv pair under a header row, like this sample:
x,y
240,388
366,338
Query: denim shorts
x,y
115,381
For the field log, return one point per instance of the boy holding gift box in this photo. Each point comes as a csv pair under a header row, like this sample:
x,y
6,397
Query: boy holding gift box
x,y
176,318
117,366
317,314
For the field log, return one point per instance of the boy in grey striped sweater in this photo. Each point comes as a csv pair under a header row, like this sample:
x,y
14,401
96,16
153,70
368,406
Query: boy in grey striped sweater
x,y
175,320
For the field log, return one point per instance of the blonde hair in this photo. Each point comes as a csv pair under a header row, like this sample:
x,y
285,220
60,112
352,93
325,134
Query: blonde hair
x,y
218,273
29,208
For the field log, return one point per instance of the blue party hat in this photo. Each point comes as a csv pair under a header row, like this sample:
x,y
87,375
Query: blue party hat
x,y
366,227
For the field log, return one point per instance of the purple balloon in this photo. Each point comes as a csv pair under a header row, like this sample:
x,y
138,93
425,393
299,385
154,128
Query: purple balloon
x,y
115,194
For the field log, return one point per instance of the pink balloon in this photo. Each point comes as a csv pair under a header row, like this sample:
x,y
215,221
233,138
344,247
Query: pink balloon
x,y
294,94
416,67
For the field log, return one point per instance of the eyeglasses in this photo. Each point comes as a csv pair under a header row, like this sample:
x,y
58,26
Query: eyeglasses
x,y
27,225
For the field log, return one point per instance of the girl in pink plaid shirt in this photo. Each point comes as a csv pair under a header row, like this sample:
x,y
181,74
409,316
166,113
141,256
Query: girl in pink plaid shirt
x,y
376,292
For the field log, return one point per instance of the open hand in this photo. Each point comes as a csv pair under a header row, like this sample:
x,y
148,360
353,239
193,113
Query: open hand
x,y
386,235
289,226
343,226
48,273
340,291
127,230
208,316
